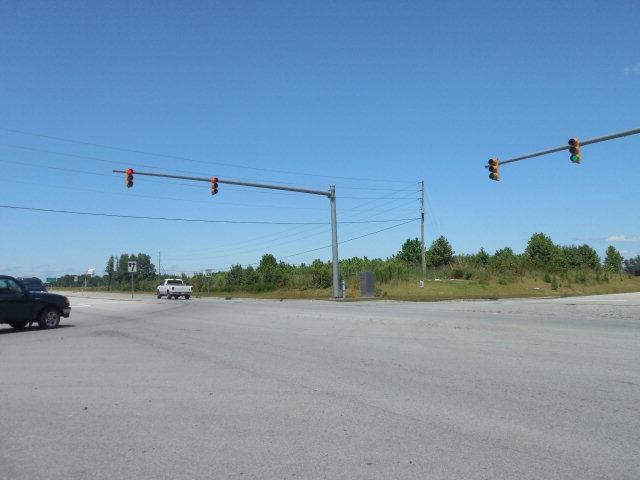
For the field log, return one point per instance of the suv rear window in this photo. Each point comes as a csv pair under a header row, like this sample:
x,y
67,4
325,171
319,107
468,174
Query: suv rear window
x,y
32,283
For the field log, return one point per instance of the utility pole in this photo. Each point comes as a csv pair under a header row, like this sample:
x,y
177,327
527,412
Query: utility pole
x,y
331,194
424,264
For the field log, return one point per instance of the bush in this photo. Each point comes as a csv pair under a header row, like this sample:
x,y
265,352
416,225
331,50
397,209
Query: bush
x,y
580,277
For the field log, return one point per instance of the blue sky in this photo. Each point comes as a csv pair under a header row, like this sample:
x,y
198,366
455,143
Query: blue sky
x,y
370,96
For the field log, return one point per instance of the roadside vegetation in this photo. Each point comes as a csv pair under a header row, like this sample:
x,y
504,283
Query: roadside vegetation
x,y
543,269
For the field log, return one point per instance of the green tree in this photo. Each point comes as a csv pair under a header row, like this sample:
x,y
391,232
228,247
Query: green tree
x,y
440,252
613,260
251,277
110,269
580,257
632,266
542,252
411,252
146,269
269,269
480,258
122,269
235,276
320,274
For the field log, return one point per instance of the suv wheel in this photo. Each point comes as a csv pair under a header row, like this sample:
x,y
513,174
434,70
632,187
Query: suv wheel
x,y
49,318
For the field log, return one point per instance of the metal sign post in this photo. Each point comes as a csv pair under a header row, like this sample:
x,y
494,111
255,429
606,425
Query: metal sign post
x,y
132,267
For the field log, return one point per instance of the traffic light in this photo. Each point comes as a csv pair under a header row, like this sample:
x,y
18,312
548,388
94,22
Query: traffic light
x,y
214,185
129,181
493,169
574,149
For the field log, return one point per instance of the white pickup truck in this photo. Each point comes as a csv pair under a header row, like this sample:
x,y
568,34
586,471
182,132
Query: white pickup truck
x,y
174,287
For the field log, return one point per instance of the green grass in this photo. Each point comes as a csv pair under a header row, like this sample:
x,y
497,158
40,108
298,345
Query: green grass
x,y
536,284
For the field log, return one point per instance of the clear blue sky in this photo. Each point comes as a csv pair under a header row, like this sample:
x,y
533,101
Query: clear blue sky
x,y
370,96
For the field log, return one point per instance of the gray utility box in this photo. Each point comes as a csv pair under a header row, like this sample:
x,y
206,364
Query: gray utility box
x,y
367,284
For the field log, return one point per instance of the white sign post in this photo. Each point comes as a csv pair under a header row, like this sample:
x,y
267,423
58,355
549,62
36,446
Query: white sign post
x,y
207,273
132,267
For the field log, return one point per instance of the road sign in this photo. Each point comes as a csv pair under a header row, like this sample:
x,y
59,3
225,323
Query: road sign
x,y
132,267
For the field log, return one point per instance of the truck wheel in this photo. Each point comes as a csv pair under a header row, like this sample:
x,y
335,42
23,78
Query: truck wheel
x,y
168,296
49,318
186,297
18,325
158,294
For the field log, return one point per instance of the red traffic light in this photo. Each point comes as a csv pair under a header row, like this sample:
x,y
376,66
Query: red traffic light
x,y
129,178
214,185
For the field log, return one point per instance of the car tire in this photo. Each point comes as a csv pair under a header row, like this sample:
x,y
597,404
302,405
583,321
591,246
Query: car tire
x,y
186,297
49,318
158,294
18,325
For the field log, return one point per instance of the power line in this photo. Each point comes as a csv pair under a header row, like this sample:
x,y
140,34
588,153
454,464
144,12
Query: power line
x,y
196,220
178,157
352,239
85,172
136,164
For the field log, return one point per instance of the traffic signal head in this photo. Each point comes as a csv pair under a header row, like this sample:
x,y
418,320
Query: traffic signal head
x,y
129,181
214,185
493,169
574,149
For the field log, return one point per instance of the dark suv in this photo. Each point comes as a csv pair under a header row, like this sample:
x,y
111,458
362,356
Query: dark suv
x,y
33,284
19,306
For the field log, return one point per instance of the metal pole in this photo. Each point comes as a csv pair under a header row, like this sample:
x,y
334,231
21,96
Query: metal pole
x,y
331,193
334,242
633,131
422,253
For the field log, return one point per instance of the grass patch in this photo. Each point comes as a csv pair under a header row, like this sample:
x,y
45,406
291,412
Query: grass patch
x,y
488,287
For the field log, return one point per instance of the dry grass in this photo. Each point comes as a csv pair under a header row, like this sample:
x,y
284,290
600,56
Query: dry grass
x,y
434,290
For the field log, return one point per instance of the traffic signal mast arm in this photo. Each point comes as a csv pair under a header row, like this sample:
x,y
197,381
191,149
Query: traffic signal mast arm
x,y
330,194
327,193
582,144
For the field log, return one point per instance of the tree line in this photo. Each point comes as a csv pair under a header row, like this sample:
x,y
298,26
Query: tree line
x,y
541,254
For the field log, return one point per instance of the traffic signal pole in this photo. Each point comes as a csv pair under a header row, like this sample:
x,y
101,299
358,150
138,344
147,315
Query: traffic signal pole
x,y
582,143
331,194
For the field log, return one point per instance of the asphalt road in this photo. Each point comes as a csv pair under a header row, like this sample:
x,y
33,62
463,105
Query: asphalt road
x,y
258,389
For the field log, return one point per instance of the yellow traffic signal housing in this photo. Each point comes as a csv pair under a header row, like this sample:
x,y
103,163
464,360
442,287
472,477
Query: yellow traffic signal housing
x,y
214,185
493,166
129,178
574,149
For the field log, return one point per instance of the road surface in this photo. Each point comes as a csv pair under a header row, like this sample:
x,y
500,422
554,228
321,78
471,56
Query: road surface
x,y
262,389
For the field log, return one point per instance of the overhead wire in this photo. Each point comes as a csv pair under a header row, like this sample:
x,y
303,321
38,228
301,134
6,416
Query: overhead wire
x,y
198,220
307,225
178,157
